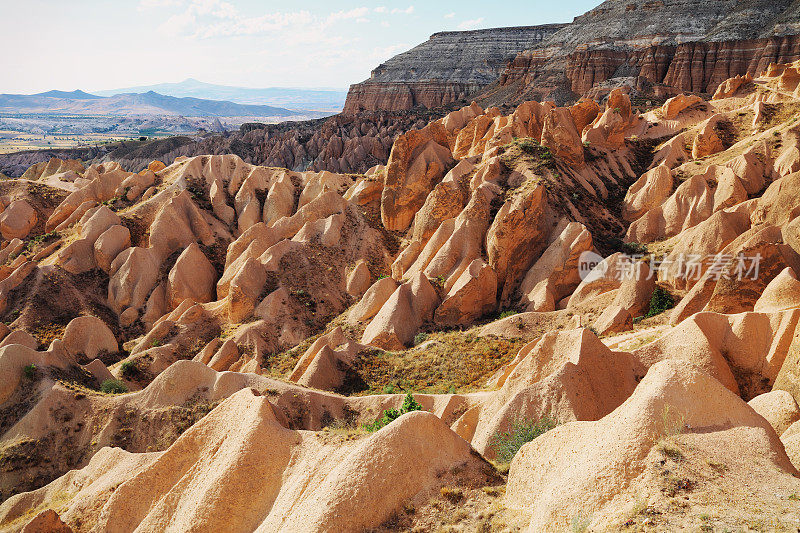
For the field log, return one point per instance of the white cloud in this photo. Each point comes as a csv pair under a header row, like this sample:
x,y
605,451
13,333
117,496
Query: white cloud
x,y
214,8
150,4
355,13
382,54
470,24
204,19
450,15
407,11
179,23
288,44
239,25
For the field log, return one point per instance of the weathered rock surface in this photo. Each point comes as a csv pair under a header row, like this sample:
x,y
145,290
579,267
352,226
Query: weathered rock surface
x,y
447,67
663,47
198,283
598,463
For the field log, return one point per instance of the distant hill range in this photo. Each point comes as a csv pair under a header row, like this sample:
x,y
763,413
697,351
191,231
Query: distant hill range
x,y
131,104
311,99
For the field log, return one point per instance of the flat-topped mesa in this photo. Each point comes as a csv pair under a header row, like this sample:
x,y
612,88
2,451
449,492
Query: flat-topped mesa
x,y
623,24
447,67
676,45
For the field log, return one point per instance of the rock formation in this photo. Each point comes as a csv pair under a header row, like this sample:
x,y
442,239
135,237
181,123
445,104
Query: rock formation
x,y
448,67
659,47
605,299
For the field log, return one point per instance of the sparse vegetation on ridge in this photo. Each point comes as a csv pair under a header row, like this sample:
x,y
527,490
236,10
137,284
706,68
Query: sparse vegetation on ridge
x,y
660,301
390,415
113,386
29,371
506,444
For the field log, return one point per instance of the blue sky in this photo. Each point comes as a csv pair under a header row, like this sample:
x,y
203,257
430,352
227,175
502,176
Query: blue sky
x,y
105,44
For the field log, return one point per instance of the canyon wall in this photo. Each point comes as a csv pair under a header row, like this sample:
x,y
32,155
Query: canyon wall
x,y
447,67
688,67
676,45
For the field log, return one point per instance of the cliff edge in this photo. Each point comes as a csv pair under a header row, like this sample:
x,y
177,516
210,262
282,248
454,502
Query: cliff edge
x,y
445,68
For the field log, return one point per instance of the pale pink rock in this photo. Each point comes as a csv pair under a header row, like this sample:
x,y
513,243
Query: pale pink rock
x,y
358,281
192,277
555,274
647,192
90,336
473,295
400,318
676,105
373,300
110,244
17,220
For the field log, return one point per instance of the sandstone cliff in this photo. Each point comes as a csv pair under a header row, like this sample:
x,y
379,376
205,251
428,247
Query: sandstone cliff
x,y
659,46
678,45
447,67
688,67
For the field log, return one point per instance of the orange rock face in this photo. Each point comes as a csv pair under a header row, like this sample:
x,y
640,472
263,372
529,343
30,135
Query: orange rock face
x,y
560,134
419,160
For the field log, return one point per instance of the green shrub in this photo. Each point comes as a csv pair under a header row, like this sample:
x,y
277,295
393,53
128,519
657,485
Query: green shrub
x,y
390,415
40,239
660,302
29,371
506,314
628,248
634,248
506,444
128,369
528,145
419,338
113,386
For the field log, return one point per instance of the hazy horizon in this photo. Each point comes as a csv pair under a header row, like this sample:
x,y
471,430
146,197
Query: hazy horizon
x,y
239,43
192,79
118,90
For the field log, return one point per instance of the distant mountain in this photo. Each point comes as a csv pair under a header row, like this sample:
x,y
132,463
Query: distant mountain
x,y
317,99
72,95
149,103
